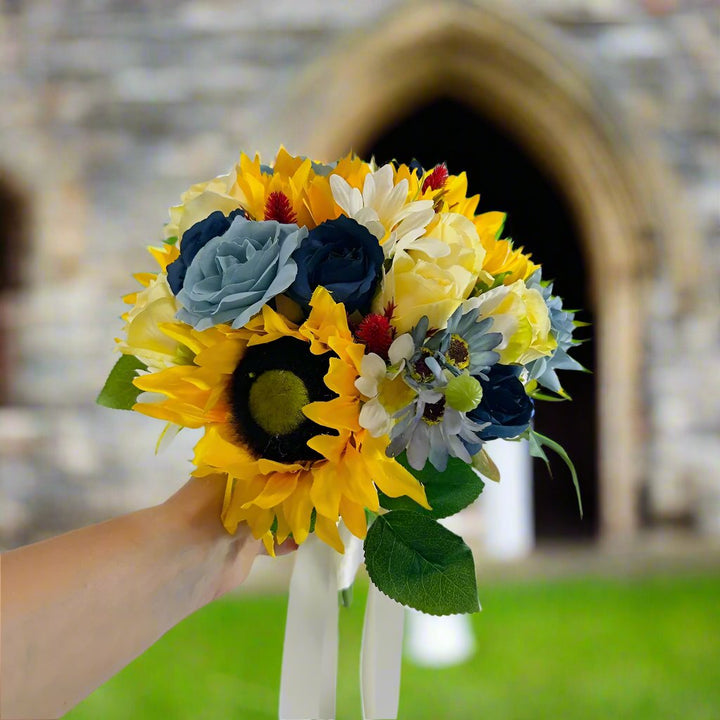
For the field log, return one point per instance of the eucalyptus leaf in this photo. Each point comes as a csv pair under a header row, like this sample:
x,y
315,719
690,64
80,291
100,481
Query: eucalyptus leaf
x,y
119,392
447,492
419,563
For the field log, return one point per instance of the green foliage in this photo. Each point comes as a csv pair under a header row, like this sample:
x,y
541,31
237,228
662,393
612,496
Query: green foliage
x,y
447,492
170,240
421,564
538,442
118,392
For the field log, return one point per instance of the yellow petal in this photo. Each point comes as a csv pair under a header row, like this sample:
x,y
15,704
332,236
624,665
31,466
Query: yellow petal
x,y
357,480
298,509
277,488
269,543
354,517
327,531
326,490
340,413
329,446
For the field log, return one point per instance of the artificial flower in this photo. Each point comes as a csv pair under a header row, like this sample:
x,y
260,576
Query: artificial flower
x,y
501,259
383,208
505,409
195,238
198,202
562,325
521,315
153,306
342,256
233,276
280,410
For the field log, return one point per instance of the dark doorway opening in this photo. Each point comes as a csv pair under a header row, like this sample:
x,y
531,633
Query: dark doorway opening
x,y
14,230
540,219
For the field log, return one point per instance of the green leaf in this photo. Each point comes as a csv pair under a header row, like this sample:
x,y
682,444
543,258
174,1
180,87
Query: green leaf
x,y
539,395
170,240
119,392
537,442
447,493
419,563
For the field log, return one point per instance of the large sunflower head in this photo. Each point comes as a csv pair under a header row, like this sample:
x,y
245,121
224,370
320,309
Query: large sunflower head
x,y
280,410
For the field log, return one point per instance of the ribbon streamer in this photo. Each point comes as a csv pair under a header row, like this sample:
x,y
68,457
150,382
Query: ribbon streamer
x,y
381,657
309,667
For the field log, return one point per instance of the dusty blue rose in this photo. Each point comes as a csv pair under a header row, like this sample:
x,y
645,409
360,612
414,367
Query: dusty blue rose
x,y
342,256
195,238
234,275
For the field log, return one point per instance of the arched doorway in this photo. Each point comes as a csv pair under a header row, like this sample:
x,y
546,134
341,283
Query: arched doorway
x,y
539,217
14,241
513,71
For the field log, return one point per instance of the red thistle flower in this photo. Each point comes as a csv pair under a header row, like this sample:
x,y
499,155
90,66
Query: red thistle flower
x,y
376,333
437,178
278,207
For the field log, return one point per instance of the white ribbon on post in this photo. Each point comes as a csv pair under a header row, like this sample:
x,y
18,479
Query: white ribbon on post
x,y
309,666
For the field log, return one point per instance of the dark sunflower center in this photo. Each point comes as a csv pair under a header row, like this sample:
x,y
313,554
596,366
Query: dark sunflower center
x,y
458,353
269,388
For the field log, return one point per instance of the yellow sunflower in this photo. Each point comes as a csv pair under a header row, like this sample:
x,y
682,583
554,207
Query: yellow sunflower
x,y
280,410
294,191
500,256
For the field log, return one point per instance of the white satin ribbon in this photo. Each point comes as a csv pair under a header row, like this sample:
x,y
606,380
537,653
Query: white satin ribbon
x,y
309,667
381,656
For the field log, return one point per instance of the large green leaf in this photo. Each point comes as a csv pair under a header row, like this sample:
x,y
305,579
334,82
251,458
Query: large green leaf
x,y
119,392
447,492
419,563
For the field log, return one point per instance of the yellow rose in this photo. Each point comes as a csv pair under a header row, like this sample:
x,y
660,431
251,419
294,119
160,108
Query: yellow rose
x,y
434,275
145,340
521,315
461,250
419,287
199,201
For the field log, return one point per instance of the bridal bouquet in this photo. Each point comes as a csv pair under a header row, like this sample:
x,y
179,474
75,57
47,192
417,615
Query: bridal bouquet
x,y
348,337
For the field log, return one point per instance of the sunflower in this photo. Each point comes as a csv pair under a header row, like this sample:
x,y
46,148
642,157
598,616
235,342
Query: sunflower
x,y
501,259
295,190
280,410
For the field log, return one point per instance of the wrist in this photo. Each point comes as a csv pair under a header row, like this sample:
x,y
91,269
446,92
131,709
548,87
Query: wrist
x,y
224,559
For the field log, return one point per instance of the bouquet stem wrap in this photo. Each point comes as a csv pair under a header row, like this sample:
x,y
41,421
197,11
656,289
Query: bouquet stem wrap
x,y
309,667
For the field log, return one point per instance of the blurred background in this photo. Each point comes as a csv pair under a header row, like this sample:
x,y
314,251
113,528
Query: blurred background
x,y
593,123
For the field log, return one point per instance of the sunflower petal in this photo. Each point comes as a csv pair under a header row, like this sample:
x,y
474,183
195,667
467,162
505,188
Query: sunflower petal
x,y
354,517
326,490
298,510
327,531
277,488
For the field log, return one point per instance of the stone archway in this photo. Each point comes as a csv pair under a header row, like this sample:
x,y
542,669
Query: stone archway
x,y
14,245
515,72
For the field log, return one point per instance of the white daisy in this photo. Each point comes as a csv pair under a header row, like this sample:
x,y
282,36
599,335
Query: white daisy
x,y
383,208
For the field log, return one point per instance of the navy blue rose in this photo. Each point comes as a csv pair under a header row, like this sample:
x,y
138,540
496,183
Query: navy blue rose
x,y
195,238
342,256
505,404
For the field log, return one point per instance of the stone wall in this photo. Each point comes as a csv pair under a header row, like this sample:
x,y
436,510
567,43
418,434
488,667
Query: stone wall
x,y
111,109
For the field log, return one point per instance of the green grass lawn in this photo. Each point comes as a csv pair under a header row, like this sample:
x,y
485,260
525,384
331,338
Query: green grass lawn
x,y
561,650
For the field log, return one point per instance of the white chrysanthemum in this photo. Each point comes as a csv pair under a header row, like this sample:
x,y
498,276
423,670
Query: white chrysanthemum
x,y
384,210
384,386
